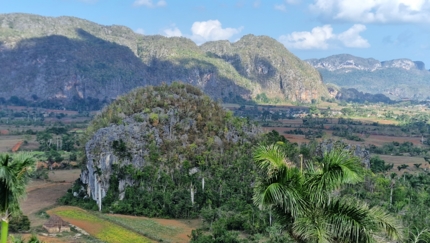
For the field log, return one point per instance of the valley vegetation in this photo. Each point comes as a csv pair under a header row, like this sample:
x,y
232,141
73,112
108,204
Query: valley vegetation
x,y
225,178
223,182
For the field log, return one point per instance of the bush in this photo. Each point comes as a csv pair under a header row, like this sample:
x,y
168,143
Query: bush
x,y
20,223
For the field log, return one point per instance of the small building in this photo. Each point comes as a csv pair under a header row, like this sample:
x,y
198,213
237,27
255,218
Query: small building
x,y
56,225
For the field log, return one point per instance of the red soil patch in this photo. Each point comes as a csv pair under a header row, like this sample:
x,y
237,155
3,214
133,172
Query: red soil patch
x,y
17,146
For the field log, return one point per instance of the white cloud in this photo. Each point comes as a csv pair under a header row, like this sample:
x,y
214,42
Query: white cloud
x,y
149,3
211,30
140,31
256,4
280,7
352,38
373,11
316,39
171,32
322,37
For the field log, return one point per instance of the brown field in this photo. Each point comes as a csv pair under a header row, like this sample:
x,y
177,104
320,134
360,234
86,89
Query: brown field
x,y
8,141
377,140
42,194
378,120
398,160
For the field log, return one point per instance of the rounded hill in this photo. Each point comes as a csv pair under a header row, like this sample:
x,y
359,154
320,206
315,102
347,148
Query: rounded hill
x,y
168,151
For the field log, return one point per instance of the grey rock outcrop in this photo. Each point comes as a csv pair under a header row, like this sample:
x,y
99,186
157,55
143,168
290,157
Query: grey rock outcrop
x,y
396,79
170,131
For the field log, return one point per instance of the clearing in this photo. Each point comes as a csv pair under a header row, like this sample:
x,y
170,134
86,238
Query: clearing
x,y
42,194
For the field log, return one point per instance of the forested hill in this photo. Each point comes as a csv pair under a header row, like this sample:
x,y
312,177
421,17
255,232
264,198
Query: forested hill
x,y
399,78
76,64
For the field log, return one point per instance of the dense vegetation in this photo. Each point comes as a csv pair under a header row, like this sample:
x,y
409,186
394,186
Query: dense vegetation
x,y
86,65
200,164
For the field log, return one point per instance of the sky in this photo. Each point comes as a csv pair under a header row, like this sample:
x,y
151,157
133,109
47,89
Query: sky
x,y
380,29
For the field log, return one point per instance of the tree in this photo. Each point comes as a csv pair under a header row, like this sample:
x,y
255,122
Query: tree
x,y
306,201
313,110
15,171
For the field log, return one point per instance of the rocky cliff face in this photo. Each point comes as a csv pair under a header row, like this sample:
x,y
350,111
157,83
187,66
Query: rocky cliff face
x,y
174,129
268,63
400,78
346,62
63,61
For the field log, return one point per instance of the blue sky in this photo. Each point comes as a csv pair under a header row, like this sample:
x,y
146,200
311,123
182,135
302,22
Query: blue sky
x,y
382,29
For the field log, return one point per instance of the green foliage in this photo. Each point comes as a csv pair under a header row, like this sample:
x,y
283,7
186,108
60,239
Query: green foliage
x,y
19,223
402,166
15,171
378,165
306,202
19,239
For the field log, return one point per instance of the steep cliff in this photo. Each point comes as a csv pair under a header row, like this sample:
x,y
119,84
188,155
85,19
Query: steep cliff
x,y
399,78
279,73
73,63
166,141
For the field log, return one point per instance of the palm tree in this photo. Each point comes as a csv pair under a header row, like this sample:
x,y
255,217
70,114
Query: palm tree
x,y
14,175
307,201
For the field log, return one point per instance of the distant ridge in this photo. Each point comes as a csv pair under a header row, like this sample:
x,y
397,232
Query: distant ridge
x,y
399,78
67,62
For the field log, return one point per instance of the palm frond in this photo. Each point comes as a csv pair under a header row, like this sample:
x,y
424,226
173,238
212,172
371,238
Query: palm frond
x,y
337,168
311,229
353,221
14,175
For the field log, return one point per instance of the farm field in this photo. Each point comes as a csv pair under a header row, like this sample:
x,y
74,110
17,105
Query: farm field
x,y
42,194
98,227
377,140
8,141
167,230
378,135
398,160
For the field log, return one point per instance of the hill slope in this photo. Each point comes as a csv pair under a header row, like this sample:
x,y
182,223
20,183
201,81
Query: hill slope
x,y
167,143
400,78
72,62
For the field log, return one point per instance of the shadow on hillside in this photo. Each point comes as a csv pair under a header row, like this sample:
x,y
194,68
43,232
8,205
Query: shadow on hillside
x,y
260,68
202,74
87,73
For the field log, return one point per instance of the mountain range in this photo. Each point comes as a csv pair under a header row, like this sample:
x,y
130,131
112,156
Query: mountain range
x,y
397,79
68,62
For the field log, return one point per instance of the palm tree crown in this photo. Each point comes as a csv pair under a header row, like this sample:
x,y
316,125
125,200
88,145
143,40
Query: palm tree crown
x,y
308,201
14,175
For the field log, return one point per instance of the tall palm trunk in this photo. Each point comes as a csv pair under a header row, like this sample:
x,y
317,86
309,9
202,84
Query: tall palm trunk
x,y
4,228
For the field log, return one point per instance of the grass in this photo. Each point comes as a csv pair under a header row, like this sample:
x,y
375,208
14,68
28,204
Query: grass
x,y
146,226
98,227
